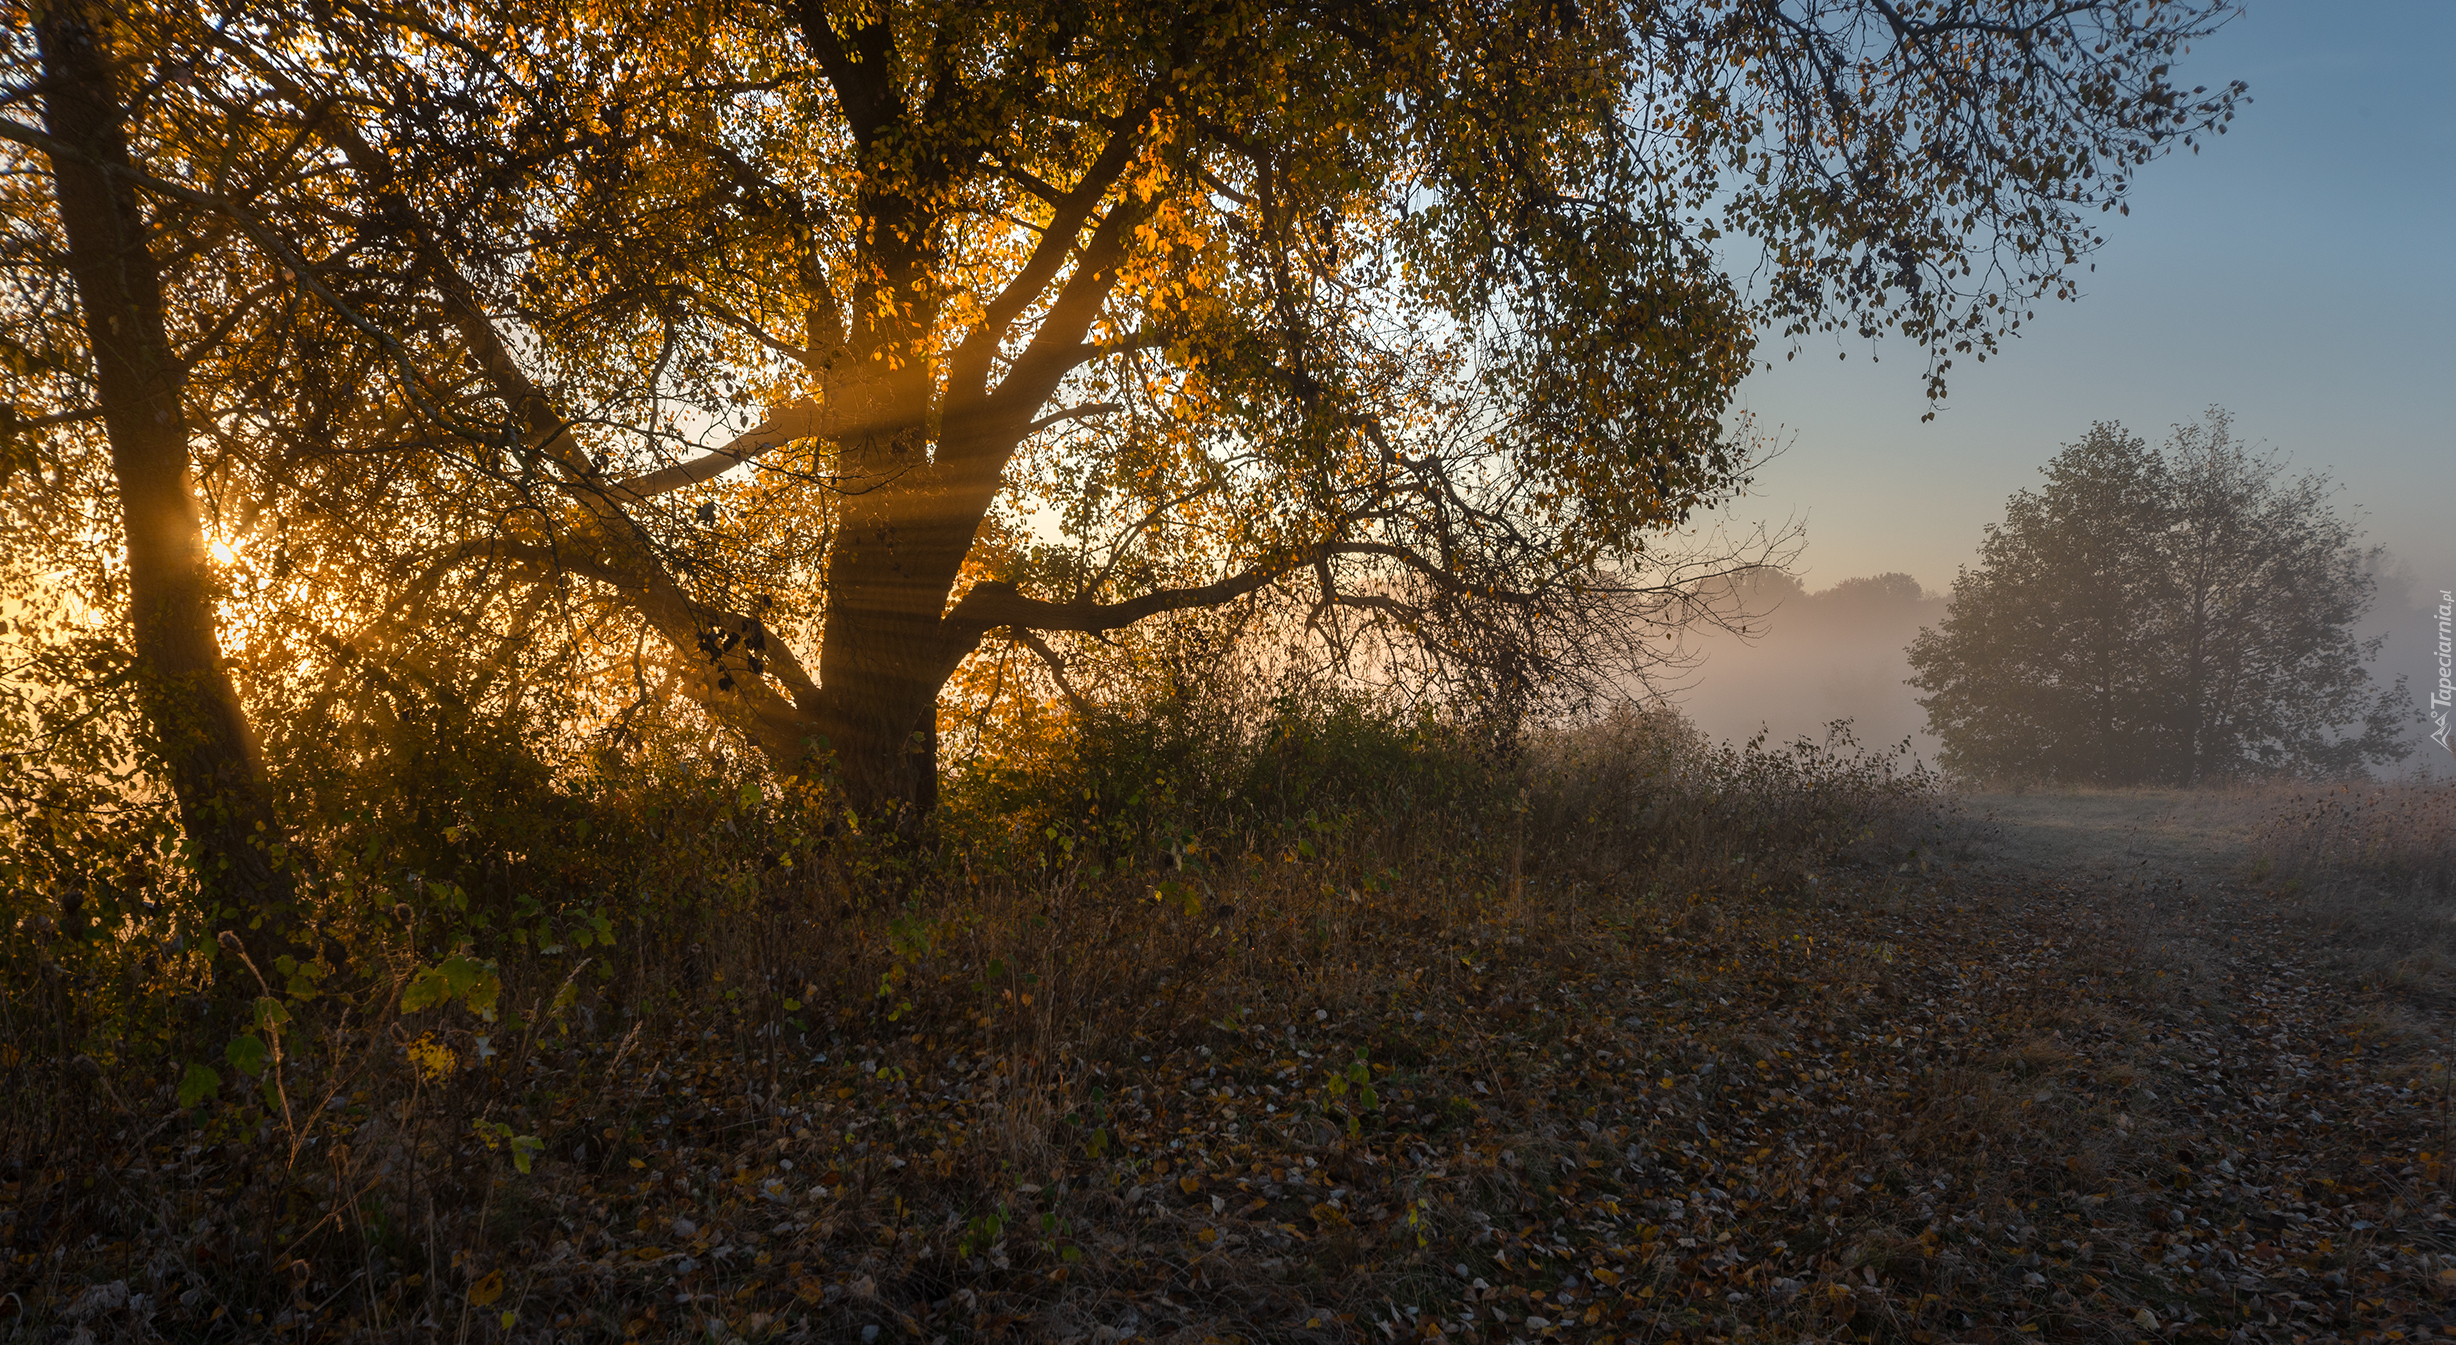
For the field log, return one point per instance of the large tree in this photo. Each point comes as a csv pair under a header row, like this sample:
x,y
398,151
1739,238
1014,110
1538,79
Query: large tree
x,y
2160,617
1058,317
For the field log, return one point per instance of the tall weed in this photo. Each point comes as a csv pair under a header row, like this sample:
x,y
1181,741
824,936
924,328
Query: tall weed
x,y
2375,864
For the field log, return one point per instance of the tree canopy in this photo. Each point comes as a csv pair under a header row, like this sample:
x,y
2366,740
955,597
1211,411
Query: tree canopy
x,y
2161,617
751,365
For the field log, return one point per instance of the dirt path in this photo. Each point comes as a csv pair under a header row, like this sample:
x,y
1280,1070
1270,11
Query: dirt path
x,y
2124,835
2278,1114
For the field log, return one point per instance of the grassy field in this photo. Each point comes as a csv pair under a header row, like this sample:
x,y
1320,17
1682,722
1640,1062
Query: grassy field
x,y
2000,1067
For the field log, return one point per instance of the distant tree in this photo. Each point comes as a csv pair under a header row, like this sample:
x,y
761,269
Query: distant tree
x,y
2267,585
2161,617
2041,666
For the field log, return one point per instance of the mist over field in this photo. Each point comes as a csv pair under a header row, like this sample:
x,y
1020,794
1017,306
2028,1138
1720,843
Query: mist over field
x,y
1814,655
1811,657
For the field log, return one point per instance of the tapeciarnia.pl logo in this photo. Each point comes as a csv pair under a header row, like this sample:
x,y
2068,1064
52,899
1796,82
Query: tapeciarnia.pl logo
x,y
2441,696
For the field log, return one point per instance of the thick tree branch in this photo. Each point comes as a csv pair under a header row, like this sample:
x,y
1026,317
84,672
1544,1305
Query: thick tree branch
x,y
968,368
1037,371
729,681
800,420
13,423
995,603
859,80
1072,413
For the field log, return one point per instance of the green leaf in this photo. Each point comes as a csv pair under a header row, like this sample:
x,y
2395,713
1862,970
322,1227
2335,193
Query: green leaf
x,y
426,990
246,1054
199,1084
524,1149
483,993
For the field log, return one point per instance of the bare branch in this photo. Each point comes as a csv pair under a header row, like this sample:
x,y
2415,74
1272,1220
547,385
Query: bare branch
x,y
1072,413
799,420
1057,669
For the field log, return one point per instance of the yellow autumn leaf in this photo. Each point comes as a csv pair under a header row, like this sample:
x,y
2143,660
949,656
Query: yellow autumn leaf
x,y
487,1289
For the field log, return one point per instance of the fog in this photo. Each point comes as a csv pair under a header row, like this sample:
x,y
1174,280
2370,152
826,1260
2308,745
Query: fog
x,y
1815,656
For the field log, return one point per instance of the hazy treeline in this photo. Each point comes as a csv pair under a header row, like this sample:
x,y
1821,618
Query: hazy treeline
x,y
1813,655
1810,656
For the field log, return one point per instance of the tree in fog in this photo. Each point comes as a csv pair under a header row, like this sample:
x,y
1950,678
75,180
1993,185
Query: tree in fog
x,y
2160,617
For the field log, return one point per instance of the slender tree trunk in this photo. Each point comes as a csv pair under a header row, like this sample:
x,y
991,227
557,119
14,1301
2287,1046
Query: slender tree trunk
x,y
215,770
2195,681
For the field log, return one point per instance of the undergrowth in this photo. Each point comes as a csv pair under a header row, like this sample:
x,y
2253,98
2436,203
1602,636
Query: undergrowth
x,y
546,1006
2394,839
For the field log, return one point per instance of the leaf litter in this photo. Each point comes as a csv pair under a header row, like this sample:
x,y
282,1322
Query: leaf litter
x,y
1923,1106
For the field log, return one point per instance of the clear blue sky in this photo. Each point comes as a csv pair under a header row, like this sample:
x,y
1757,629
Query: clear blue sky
x,y
2300,271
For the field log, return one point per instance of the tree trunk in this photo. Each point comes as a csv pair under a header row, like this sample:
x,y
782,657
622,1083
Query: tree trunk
x,y
216,772
884,730
900,544
881,665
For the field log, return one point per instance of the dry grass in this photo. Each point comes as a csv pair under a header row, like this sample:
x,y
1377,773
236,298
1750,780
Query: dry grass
x,y
955,1053
2375,865
2112,833
2394,840
1696,1049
